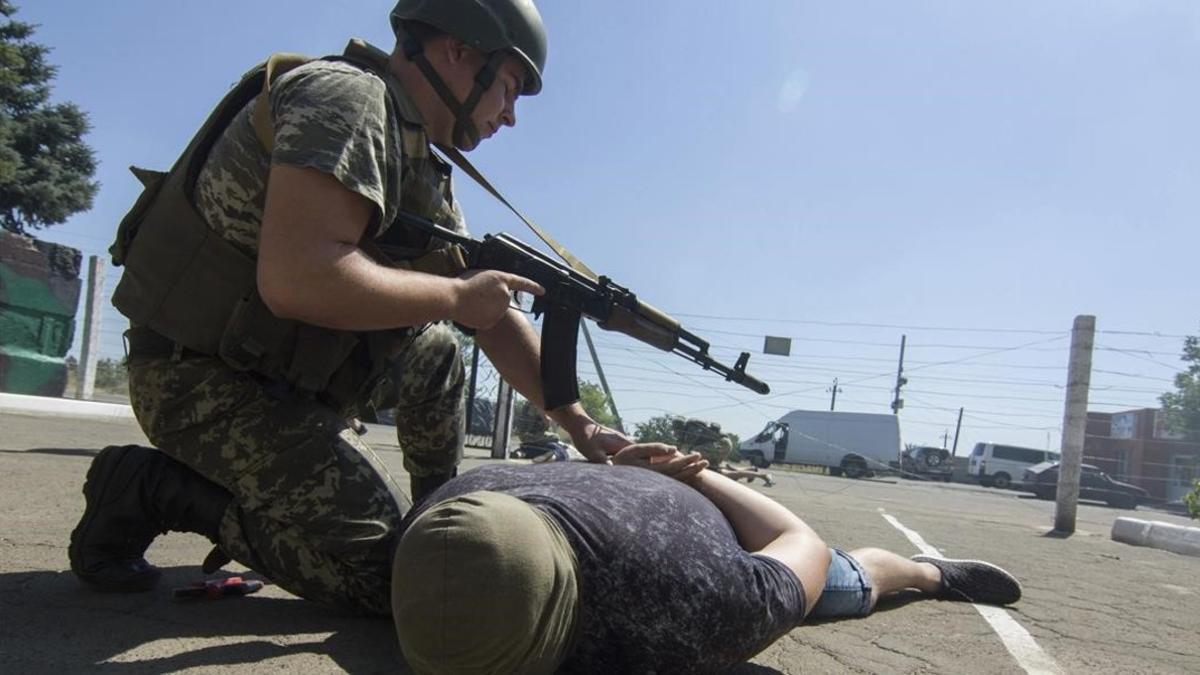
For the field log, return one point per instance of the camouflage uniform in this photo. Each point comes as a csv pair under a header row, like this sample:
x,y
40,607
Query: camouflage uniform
x,y
313,507
705,438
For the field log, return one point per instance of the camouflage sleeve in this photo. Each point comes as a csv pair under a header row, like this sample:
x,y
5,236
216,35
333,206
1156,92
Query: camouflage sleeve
x,y
333,117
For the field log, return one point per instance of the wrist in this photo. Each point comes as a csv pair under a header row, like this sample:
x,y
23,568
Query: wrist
x,y
571,417
454,293
702,481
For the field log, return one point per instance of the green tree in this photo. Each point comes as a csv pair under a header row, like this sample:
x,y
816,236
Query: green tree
x,y
1182,407
45,167
593,400
1192,500
658,429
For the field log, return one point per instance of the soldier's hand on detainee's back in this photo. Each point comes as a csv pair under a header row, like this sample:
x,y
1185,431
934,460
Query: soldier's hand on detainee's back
x,y
482,297
664,459
597,442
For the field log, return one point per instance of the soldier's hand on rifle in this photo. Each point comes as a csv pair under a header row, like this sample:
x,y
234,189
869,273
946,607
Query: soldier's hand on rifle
x,y
482,297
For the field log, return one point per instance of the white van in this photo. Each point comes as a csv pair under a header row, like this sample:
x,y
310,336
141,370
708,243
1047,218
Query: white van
x,y
854,444
995,465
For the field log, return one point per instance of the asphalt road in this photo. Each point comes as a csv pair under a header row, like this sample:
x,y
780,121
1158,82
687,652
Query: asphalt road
x,y
1091,605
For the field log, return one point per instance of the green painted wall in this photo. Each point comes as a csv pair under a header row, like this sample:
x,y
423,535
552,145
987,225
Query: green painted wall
x,y
39,294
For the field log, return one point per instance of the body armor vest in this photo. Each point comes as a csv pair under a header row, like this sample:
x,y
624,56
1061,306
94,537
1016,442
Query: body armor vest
x,y
185,282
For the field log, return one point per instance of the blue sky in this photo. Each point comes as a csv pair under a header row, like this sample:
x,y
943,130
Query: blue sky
x,y
972,175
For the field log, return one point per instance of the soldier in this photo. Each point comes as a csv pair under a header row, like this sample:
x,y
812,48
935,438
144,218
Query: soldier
x,y
706,439
272,298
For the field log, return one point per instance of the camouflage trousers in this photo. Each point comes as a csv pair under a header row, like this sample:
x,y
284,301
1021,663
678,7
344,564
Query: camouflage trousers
x,y
313,508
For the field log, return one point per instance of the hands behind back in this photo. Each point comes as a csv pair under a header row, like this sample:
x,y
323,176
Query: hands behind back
x,y
482,297
664,459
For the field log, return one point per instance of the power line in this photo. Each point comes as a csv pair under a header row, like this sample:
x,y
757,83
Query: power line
x,y
947,329
1137,354
858,324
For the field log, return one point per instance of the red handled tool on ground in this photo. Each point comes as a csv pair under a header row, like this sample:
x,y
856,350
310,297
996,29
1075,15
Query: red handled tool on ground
x,y
214,589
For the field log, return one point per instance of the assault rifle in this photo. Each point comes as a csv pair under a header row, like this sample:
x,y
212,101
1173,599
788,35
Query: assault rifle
x,y
570,296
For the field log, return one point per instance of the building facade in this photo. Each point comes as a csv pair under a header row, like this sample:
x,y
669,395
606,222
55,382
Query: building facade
x,y
1135,447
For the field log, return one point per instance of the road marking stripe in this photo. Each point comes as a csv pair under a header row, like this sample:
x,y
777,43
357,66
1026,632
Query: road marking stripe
x,y
1016,639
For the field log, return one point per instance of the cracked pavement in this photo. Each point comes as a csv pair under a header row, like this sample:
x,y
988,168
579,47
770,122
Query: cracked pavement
x,y
1093,605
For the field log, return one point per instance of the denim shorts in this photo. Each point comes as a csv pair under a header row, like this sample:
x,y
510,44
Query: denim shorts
x,y
847,589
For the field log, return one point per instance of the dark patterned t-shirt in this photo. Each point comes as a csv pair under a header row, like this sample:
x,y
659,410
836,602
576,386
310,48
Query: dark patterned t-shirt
x,y
665,587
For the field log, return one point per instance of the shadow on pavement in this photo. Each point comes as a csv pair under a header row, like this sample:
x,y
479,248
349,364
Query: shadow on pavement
x,y
54,624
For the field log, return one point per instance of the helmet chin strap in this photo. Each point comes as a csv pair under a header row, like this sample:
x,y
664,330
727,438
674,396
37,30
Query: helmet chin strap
x,y
465,136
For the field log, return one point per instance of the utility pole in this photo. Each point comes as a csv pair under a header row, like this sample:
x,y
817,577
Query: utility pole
x,y
85,374
474,381
945,438
1079,379
897,402
612,403
503,428
957,428
835,389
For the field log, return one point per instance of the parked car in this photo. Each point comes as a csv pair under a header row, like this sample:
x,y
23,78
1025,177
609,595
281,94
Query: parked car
x,y
928,462
1042,480
995,465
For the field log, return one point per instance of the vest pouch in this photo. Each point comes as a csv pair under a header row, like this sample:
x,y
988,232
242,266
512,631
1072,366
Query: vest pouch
x,y
362,382
181,279
127,230
319,353
253,338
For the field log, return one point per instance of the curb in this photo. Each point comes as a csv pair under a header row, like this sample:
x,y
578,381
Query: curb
x,y
63,407
1157,534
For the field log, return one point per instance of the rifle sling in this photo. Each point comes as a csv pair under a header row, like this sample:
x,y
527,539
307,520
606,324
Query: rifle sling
x,y
461,161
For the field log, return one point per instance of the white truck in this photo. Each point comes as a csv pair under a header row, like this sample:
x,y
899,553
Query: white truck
x,y
854,444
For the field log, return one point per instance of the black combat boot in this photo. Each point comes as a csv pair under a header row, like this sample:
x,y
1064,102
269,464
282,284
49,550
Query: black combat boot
x,y
133,494
423,486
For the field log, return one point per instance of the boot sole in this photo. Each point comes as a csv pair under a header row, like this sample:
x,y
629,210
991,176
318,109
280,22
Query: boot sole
x,y
100,474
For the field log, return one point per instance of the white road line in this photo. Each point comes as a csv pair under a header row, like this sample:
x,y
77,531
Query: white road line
x,y
1016,639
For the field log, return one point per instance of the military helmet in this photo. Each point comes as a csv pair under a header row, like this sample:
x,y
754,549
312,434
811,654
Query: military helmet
x,y
514,26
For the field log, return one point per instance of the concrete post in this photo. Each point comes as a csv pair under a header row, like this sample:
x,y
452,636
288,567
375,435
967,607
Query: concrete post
x,y
471,393
503,429
897,402
957,428
85,383
612,403
1079,378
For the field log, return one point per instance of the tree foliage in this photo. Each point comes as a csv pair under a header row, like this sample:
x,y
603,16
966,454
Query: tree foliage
x,y
658,429
1182,406
45,167
593,400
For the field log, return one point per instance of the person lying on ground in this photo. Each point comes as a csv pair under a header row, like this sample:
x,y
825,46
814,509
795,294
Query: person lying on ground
x,y
575,568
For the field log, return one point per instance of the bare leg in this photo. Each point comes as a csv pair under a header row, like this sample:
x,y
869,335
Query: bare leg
x,y
738,474
890,573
